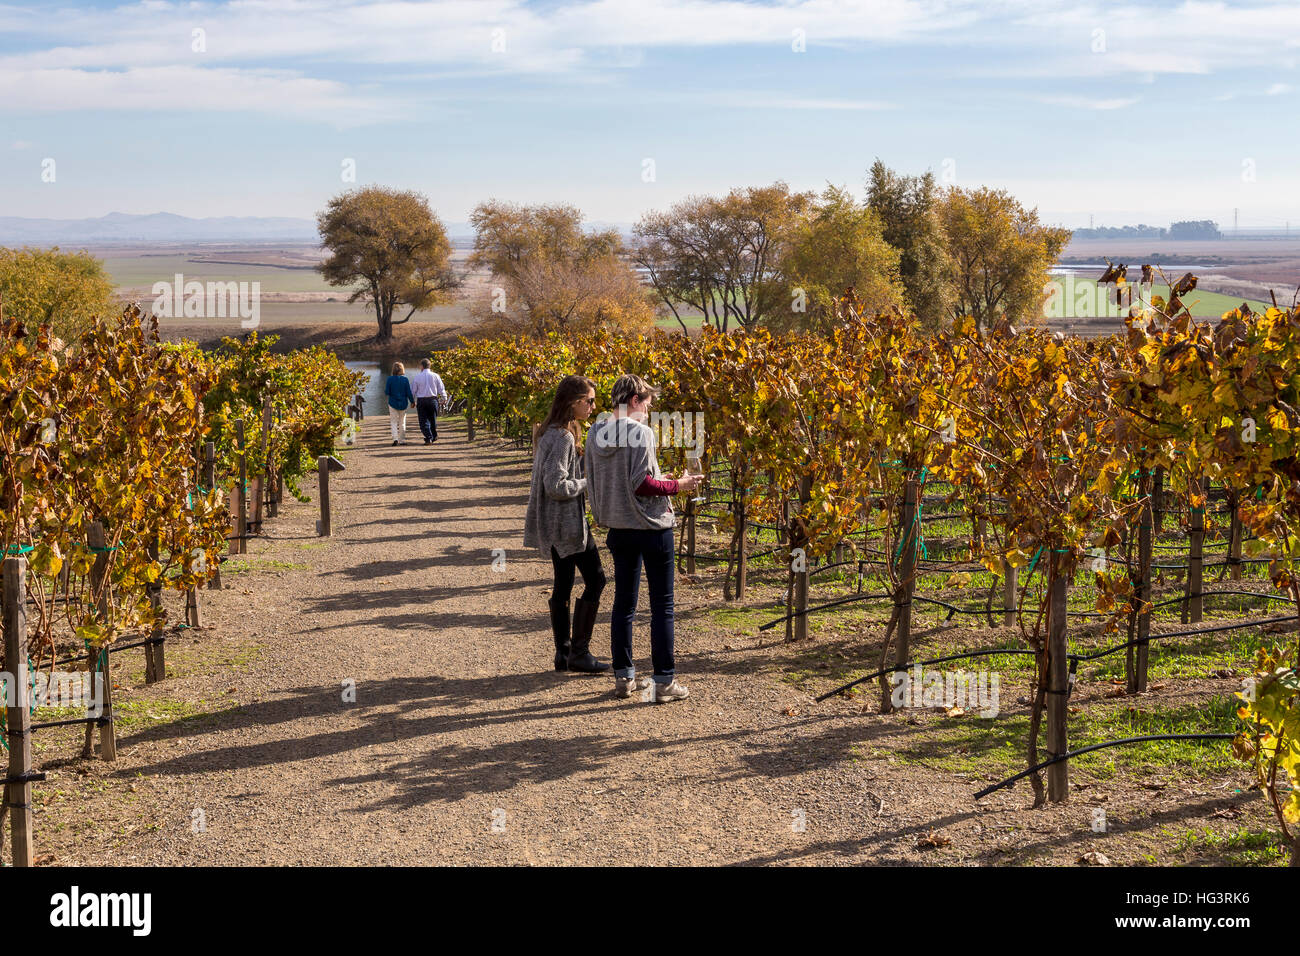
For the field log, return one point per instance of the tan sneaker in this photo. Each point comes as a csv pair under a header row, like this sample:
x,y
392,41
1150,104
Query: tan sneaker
x,y
624,686
670,691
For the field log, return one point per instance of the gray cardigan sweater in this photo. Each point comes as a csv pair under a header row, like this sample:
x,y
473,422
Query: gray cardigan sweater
x,y
557,498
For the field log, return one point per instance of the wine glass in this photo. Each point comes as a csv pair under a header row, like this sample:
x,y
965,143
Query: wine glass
x,y
695,466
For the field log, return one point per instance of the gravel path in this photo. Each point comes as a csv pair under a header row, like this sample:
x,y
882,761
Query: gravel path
x,y
463,747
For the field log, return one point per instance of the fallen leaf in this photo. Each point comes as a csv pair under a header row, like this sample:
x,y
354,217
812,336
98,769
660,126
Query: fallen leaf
x,y
933,839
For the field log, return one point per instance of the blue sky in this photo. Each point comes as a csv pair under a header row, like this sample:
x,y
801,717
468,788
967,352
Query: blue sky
x,y
1128,112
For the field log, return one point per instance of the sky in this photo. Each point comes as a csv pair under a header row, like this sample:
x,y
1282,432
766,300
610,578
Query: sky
x,y
1122,112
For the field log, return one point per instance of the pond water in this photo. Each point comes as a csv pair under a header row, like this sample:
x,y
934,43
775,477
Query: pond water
x,y
373,390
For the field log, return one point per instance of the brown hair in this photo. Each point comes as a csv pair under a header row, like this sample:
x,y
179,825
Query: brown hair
x,y
628,386
399,368
571,390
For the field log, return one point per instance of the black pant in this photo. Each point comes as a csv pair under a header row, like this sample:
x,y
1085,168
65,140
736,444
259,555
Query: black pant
x,y
593,575
427,410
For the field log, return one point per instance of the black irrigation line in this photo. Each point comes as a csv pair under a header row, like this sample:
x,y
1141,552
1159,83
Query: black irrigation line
x,y
112,649
1083,750
848,600
1218,592
1236,626
895,668
1073,658
99,721
839,564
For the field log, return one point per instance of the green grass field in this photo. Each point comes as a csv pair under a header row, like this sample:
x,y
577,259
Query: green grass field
x,y
1081,301
135,271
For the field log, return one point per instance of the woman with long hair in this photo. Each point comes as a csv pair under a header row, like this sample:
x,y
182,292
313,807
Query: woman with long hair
x,y
556,523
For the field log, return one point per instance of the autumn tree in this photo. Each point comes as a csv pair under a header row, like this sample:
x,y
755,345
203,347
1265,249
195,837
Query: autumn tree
x,y
838,246
909,212
1000,253
553,274
391,248
64,289
720,257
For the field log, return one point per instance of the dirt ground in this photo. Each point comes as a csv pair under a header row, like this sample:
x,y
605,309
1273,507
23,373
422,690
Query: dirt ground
x,y
464,747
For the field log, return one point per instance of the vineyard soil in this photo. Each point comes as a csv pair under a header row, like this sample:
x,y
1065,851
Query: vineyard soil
x,y
462,747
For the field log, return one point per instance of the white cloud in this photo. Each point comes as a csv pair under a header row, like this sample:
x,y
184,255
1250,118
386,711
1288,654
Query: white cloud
x,y
780,101
1086,103
188,88
1277,89
21,144
316,57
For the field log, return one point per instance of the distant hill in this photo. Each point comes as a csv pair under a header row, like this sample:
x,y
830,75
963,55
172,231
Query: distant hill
x,y
155,227
169,227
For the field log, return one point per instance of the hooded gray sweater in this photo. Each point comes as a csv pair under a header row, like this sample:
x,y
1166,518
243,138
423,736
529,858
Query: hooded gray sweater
x,y
620,454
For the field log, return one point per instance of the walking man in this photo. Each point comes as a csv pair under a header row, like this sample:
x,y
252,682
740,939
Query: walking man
x,y
428,389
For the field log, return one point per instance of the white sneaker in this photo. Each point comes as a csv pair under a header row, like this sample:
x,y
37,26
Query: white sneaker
x,y
670,691
624,686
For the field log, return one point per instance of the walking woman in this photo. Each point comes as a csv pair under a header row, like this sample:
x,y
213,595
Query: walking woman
x,y
400,397
631,497
556,523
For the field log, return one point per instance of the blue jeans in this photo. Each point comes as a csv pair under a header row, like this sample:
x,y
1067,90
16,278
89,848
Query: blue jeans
x,y
630,549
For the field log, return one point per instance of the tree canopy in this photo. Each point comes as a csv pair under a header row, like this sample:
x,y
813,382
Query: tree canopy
x,y
388,245
65,289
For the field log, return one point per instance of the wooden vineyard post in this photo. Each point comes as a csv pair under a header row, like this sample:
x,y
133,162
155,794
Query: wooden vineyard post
x,y
323,473
908,537
742,558
1058,680
690,536
324,465
1234,537
1136,660
193,617
18,788
1195,603
151,674
1010,585
98,663
798,630
210,482
267,470
1158,499
469,419
258,494
241,493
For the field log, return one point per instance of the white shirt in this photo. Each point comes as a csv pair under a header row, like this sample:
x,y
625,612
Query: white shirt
x,y
427,384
